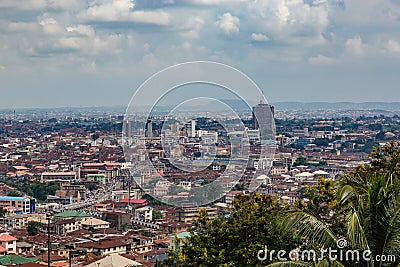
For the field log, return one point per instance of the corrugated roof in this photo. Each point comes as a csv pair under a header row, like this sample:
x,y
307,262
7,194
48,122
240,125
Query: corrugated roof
x,y
14,259
4,237
72,213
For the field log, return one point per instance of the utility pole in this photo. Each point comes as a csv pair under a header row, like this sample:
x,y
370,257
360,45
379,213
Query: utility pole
x,y
70,250
129,195
48,217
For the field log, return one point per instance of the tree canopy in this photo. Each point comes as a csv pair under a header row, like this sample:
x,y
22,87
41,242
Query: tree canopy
x,y
362,208
235,239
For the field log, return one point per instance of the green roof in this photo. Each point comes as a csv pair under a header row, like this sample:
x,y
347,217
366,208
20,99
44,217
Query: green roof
x,y
72,213
14,259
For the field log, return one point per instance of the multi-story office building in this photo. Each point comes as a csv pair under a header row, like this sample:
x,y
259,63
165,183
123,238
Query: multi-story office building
x,y
263,119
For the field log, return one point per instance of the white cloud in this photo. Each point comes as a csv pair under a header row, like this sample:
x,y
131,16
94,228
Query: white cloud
x,y
320,59
123,11
289,21
214,2
2,68
228,24
393,46
73,43
24,4
259,37
50,25
299,33
354,46
192,28
82,40
38,5
18,26
62,4
150,60
84,30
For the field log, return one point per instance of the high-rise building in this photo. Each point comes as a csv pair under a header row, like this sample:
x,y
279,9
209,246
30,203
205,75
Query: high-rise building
x,y
191,128
149,130
263,119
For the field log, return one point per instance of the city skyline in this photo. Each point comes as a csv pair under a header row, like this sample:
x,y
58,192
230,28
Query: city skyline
x,y
81,54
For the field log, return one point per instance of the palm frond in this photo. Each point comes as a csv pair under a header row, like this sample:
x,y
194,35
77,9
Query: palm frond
x,y
308,226
355,231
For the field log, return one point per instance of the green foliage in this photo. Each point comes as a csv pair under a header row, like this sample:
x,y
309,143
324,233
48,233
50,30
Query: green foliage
x,y
367,205
95,136
33,228
37,190
157,215
153,201
300,161
14,193
375,127
92,187
321,141
175,189
322,204
380,136
124,227
235,240
363,207
371,195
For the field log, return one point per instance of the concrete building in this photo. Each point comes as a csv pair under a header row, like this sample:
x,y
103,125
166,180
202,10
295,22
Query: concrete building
x,y
104,247
144,213
188,214
8,242
263,119
58,176
15,221
95,224
17,204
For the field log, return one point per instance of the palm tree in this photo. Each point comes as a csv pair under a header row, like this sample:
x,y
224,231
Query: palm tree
x,y
373,204
370,200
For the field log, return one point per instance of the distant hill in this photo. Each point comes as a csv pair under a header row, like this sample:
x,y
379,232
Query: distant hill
x,y
383,106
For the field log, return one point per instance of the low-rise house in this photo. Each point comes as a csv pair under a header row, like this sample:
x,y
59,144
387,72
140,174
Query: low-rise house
x,y
144,213
55,259
104,247
24,248
94,224
8,242
67,225
174,227
141,243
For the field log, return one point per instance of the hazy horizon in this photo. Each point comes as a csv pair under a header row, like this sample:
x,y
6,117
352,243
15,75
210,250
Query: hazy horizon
x,y
393,103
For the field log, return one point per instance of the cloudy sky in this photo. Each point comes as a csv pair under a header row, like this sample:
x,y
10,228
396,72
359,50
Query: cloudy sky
x,y
96,53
